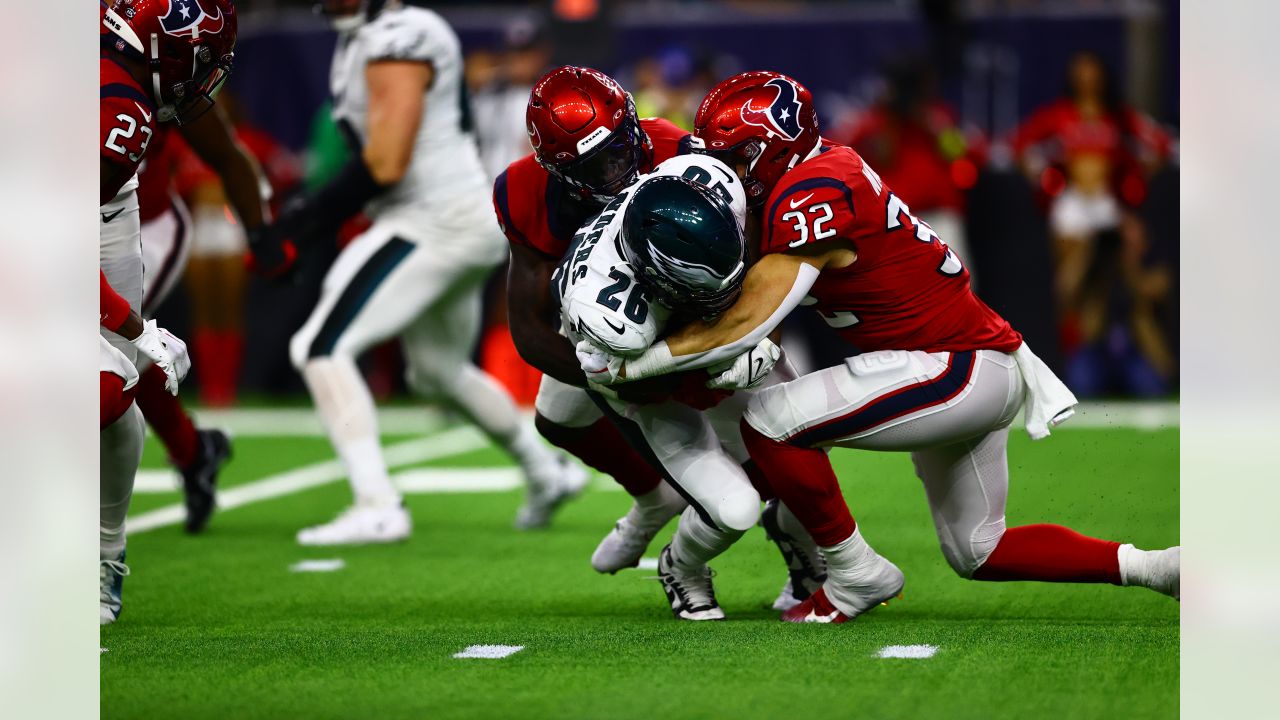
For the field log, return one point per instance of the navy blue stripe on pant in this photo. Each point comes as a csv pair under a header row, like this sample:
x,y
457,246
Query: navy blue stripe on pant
x,y
903,401
631,431
357,293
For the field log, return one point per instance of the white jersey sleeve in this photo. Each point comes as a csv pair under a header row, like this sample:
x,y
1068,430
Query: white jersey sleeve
x,y
403,36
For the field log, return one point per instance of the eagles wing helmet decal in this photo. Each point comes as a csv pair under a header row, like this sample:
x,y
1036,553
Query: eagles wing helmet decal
x,y
782,116
187,17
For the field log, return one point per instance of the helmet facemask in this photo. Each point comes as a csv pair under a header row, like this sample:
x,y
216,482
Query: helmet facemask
x,y
610,167
186,101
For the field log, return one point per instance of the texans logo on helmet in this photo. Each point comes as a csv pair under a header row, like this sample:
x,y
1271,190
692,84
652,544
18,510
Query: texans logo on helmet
x,y
187,17
782,116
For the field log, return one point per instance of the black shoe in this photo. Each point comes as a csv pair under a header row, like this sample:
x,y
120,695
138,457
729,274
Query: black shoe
x,y
200,478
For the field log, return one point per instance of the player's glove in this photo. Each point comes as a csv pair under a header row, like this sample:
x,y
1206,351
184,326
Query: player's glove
x,y
166,351
747,370
271,255
601,367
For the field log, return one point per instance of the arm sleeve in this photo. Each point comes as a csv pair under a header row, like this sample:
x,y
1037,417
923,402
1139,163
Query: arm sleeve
x,y
113,309
659,360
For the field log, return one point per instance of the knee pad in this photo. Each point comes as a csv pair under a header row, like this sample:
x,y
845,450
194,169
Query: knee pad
x,y
300,349
966,557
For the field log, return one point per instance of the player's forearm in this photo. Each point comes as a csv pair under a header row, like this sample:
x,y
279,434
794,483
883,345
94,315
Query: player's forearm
x,y
247,190
114,312
549,352
764,304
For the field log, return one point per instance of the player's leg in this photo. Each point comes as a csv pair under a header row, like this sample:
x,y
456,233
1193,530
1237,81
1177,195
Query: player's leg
x,y
379,284
438,349
120,451
569,419
967,485
197,454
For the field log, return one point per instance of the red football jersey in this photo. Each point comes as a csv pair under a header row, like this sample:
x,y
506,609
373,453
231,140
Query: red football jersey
x,y
155,174
907,290
538,211
127,121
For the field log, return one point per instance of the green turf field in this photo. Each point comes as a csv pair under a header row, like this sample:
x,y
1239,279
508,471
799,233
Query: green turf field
x,y
217,626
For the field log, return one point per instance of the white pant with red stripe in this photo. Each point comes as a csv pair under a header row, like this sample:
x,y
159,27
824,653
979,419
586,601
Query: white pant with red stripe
x,y
166,247
951,411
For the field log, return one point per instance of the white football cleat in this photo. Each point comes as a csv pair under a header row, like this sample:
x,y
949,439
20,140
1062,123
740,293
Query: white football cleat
x,y
1160,570
622,547
858,579
550,485
111,574
691,594
361,525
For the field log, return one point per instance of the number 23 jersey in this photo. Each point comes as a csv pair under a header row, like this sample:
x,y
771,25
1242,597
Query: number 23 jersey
x,y
600,299
907,290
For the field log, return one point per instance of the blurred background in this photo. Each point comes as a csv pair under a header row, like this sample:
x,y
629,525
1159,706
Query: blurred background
x,y
1038,137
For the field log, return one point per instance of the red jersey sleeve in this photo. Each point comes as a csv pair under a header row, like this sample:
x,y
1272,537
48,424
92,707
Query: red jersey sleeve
x,y
126,121
817,205
520,205
668,138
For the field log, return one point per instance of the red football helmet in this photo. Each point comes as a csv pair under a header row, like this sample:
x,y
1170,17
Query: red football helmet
x,y
764,120
188,45
584,131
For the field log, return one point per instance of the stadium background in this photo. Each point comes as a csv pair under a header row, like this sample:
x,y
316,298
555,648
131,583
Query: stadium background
x,y
939,95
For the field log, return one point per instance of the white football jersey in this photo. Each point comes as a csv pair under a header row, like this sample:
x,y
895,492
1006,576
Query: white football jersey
x,y
446,164
600,299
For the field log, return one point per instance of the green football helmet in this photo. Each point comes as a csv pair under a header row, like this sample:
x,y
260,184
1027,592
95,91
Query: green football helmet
x,y
685,245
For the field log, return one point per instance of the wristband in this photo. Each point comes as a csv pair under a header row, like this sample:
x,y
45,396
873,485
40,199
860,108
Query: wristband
x,y
657,360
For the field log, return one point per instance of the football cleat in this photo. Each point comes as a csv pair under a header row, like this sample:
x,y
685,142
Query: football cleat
x,y
111,574
850,593
691,595
361,525
199,479
806,568
622,547
551,484
1160,570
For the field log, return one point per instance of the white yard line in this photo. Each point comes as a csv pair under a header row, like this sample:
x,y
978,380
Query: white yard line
x,y
318,566
458,480
302,421
489,652
446,444
908,652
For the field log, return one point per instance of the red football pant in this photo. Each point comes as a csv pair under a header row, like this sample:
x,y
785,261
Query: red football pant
x,y
1051,553
602,447
113,399
803,480
166,416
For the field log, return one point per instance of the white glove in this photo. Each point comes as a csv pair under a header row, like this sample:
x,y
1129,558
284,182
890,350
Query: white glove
x,y
166,351
747,370
601,367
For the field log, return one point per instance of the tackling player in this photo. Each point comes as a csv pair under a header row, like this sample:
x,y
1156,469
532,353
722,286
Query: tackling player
x,y
160,60
416,274
941,375
588,145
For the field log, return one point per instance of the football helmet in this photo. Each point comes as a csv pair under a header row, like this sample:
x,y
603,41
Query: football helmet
x,y
763,120
188,46
685,244
349,15
584,131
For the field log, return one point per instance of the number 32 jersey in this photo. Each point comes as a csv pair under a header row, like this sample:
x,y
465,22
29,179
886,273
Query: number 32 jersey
x,y
907,290
600,299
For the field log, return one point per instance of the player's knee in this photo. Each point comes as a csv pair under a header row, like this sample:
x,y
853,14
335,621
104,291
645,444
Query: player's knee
x,y
739,510
965,557
559,435
300,349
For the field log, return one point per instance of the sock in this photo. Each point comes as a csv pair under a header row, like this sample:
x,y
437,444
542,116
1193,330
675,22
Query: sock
x,y
167,417
603,448
1051,553
113,399
119,452
803,480
697,543
346,409
652,510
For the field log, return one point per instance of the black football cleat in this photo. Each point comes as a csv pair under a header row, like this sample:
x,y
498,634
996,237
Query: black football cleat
x,y
199,480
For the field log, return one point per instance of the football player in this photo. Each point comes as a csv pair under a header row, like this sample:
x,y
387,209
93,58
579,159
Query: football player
x,y
160,60
166,243
941,375
683,225
588,144
416,274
